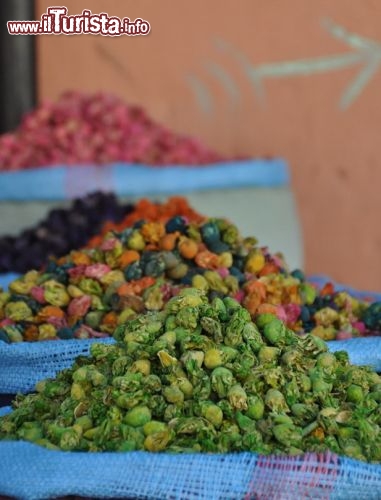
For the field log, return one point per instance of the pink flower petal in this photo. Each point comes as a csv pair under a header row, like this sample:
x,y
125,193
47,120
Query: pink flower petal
x,y
77,271
6,322
292,312
79,306
38,293
281,313
97,270
239,296
57,322
85,332
223,272
108,244
360,327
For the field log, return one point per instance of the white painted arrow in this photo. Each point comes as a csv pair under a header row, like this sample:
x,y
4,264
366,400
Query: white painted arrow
x,y
367,53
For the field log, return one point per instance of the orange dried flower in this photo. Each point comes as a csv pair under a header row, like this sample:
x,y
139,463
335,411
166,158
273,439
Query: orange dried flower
x,y
188,248
207,260
31,333
80,258
110,319
49,311
128,257
168,241
152,232
267,308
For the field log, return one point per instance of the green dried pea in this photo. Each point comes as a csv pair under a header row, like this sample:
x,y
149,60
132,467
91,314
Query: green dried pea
x,y
138,416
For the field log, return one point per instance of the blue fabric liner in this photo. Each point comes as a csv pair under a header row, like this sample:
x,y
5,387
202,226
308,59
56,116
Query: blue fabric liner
x,y
362,351
23,364
5,410
6,279
63,182
31,472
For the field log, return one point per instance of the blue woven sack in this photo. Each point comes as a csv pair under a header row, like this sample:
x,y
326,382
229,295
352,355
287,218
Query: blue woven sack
x,y
31,472
62,182
6,279
24,364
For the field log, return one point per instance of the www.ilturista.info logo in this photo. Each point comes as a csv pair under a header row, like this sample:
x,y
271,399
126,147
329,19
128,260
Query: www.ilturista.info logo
x,y
56,22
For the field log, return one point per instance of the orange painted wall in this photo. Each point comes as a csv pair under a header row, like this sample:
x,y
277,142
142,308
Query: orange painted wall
x,y
334,153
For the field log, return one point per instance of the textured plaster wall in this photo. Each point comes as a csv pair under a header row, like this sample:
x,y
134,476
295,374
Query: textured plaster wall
x,y
216,69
